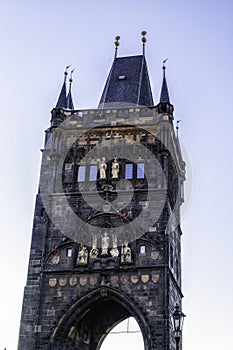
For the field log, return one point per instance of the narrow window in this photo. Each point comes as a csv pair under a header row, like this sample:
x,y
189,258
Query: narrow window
x,y
93,173
171,256
69,253
140,171
128,170
81,173
142,249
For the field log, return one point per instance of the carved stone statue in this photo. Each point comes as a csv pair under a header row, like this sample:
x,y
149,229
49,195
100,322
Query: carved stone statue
x,y
125,253
105,243
82,255
102,167
115,169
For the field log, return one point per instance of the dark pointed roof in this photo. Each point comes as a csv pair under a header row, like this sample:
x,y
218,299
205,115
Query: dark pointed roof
x,y
164,96
128,82
164,105
62,101
70,104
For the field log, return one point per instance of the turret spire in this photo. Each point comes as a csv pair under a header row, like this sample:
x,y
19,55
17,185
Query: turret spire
x,y
70,104
164,105
62,102
164,96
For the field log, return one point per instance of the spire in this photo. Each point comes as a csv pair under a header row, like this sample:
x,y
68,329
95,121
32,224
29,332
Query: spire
x,y
164,105
62,103
164,96
70,104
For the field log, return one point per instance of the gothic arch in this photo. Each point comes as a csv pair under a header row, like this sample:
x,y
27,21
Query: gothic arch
x,y
89,320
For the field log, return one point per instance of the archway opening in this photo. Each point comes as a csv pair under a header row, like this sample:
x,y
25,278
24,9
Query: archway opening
x,y
126,335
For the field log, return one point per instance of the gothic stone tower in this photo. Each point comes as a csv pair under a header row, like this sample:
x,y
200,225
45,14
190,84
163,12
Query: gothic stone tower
x,y
106,233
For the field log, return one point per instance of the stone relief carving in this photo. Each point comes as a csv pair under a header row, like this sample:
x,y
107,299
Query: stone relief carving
x,y
103,168
115,169
82,255
105,243
125,253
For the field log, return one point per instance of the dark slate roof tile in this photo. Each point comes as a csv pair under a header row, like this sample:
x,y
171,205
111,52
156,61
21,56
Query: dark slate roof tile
x,y
128,82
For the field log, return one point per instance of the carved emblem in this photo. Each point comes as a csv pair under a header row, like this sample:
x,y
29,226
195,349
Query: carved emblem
x,y
73,281
124,279
154,255
114,280
106,208
52,282
83,280
114,252
134,279
62,281
103,292
94,253
55,259
155,277
145,278
82,255
93,281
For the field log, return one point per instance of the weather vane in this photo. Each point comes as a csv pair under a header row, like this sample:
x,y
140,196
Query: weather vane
x,y
71,74
177,127
164,61
67,67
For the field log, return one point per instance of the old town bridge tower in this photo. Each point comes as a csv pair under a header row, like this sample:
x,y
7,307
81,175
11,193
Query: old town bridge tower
x,y
106,232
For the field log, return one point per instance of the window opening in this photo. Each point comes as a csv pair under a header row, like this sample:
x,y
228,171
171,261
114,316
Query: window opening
x,y
81,173
128,171
69,253
127,334
140,171
142,249
93,173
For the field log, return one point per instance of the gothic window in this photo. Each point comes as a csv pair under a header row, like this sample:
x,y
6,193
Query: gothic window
x,y
93,173
128,171
140,171
81,173
171,256
69,253
142,249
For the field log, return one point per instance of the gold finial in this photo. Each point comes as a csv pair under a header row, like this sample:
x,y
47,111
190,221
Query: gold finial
x,y
143,40
117,38
71,73
143,36
117,44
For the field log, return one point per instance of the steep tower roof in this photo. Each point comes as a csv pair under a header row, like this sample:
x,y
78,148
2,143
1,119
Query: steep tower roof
x,y
164,105
128,82
70,104
164,96
62,101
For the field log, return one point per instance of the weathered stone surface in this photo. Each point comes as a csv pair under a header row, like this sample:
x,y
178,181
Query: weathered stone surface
x,y
71,305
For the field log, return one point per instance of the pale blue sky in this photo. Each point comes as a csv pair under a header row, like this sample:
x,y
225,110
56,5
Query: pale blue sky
x,y
38,39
